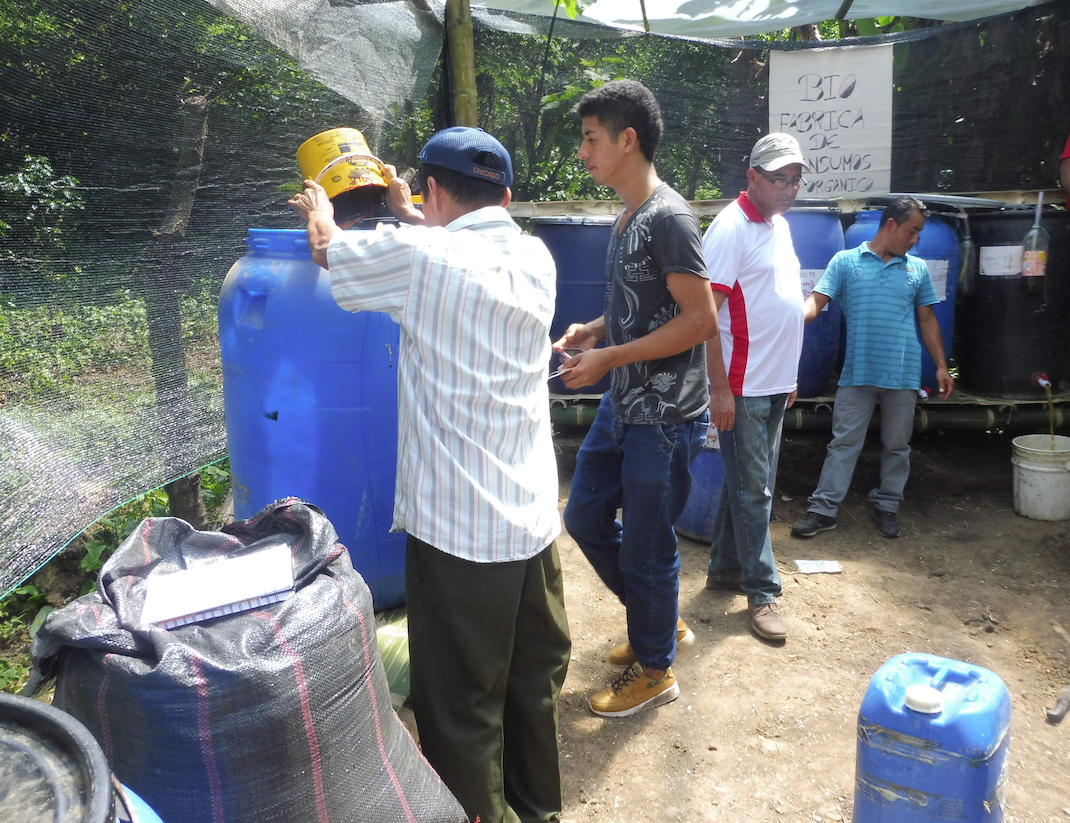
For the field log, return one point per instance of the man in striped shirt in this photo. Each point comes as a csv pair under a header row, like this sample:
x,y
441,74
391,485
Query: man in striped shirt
x,y
476,477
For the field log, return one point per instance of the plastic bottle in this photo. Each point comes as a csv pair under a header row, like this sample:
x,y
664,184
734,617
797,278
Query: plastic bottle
x,y
1035,253
967,261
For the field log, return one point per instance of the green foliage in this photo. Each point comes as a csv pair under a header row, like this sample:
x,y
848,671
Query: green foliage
x,y
17,615
18,609
94,556
34,201
266,85
46,347
215,483
572,7
842,29
105,535
23,611
528,92
12,675
878,25
43,347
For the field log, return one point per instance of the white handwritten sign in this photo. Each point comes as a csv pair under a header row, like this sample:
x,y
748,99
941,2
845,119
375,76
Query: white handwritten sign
x,y
838,103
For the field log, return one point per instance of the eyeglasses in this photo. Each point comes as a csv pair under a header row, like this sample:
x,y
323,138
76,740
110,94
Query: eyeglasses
x,y
782,182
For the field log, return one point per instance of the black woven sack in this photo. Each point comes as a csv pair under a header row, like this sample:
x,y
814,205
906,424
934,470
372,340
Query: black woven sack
x,y
280,713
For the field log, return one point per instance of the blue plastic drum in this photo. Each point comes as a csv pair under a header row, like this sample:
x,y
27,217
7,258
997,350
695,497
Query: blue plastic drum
x,y
933,736
310,395
707,477
817,235
938,246
578,245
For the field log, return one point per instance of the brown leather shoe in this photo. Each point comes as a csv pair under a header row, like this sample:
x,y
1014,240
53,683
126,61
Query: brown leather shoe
x,y
766,621
723,585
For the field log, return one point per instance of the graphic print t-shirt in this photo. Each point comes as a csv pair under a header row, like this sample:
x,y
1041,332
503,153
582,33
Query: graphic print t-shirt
x,y
662,236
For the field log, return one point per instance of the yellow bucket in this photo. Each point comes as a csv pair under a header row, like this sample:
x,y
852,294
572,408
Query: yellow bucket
x,y
340,161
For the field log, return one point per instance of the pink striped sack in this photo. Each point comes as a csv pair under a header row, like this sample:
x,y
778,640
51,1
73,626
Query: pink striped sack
x,y
277,713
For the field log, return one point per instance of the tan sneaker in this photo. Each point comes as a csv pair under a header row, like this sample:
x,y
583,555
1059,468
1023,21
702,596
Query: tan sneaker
x,y
766,621
623,655
633,692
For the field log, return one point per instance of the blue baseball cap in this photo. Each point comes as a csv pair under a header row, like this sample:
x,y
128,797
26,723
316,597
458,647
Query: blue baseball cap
x,y
460,148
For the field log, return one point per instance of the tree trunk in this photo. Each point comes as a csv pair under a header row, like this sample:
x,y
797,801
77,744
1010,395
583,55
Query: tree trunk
x,y
744,115
185,501
164,310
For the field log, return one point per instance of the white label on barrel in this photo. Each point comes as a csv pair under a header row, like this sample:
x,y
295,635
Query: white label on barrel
x,y
938,274
1001,261
809,278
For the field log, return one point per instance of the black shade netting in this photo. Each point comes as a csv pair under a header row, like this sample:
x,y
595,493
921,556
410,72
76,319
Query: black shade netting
x,y
139,142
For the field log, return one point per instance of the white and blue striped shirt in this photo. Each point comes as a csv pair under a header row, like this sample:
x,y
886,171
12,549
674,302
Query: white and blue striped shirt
x,y
476,476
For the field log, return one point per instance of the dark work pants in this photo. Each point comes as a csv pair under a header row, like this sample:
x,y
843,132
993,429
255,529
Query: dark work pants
x,y
488,651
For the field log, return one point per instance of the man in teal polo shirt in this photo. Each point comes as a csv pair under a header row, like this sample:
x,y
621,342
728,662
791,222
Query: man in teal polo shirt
x,y
881,289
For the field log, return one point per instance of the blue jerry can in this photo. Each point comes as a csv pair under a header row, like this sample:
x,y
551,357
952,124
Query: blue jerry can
x,y
933,735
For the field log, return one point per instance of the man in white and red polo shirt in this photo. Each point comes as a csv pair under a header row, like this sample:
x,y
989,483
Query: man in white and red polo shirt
x,y
755,278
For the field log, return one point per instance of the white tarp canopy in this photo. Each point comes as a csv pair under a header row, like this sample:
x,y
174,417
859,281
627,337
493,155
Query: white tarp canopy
x,y
711,19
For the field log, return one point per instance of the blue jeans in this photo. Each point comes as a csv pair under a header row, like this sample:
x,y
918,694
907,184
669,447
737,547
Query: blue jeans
x,y
850,419
742,549
644,470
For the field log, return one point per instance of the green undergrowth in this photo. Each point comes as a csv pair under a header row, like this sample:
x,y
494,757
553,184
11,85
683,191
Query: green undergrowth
x,y
73,572
49,347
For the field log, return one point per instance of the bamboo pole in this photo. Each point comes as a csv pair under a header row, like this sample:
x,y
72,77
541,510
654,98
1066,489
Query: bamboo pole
x,y
461,47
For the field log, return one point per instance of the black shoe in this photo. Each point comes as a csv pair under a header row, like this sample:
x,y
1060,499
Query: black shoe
x,y
812,524
887,523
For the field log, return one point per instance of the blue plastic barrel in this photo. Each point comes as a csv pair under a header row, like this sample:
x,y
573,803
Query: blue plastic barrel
x,y
938,246
933,736
578,245
310,395
817,235
54,770
707,477
132,808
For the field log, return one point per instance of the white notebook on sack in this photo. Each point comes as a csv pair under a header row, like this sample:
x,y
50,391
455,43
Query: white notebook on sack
x,y
226,586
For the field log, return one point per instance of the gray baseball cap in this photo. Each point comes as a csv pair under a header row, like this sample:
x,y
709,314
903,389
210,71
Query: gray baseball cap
x,y
776,150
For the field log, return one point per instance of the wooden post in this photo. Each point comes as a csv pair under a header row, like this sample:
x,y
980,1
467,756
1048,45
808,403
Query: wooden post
x,y
461,47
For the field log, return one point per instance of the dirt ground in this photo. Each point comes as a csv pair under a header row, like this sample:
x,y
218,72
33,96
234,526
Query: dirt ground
x,y
766,731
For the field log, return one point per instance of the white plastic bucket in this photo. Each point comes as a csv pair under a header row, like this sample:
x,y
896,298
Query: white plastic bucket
x,y
1042,476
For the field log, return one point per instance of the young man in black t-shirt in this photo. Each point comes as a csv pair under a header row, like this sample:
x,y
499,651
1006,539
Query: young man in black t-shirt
x,y
637,455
